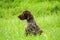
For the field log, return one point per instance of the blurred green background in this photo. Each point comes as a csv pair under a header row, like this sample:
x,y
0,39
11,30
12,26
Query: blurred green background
x,y
45,12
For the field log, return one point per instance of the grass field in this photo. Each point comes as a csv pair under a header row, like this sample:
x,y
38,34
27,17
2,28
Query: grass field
x,y
45,12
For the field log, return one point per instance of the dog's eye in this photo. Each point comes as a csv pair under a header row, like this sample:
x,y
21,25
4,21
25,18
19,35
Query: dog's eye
x,y
25,16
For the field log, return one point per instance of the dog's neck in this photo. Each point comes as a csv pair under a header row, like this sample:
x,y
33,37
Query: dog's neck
x,y
31,20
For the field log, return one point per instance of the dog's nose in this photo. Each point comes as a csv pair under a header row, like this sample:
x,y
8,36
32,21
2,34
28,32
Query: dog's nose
x,y
18,16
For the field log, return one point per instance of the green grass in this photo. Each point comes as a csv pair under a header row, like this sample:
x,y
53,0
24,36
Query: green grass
x,y
46,14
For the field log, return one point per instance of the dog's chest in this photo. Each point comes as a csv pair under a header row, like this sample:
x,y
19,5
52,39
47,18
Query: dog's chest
x,y
32,26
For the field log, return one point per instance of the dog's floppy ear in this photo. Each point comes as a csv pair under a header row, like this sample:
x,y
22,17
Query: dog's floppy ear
x,y
29,17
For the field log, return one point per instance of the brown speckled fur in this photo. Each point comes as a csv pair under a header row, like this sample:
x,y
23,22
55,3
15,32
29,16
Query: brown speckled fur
x,y
32,27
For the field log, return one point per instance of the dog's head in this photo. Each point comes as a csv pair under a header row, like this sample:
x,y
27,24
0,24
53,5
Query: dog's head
x,y
25,15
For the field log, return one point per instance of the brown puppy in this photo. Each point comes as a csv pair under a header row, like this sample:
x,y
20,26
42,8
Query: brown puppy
x,y
32,27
